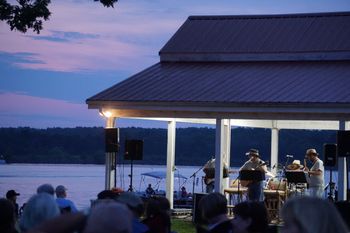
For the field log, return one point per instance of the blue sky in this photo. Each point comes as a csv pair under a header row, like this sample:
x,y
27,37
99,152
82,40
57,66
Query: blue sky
x,y
85,48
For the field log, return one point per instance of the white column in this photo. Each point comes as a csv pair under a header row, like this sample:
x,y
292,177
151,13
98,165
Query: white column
x,y
342,179
274,147
219,151
110,160
170,162
227,150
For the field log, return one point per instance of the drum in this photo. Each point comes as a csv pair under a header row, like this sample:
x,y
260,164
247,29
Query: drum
x,y
277,184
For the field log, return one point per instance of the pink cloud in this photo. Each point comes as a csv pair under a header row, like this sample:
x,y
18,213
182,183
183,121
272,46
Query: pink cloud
x,y
112,49
23,110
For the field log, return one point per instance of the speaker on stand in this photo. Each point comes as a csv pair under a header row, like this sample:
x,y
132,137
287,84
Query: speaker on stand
x,y
330,161
133,151
343,150
112,140
112,148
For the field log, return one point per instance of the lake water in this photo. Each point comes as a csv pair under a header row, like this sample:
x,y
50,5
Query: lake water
x,y
84,182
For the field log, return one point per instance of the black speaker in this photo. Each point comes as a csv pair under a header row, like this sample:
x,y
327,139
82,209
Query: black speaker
x,y
112,139
197,215
330,155
343,143
133,150
343,208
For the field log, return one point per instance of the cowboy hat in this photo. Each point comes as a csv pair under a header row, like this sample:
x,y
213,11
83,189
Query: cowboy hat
x,y
253,152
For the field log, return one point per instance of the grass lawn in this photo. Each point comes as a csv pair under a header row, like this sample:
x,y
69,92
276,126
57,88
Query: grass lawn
x,y
182,226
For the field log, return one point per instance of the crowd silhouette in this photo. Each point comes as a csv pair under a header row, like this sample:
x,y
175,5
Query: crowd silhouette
x,y
116,211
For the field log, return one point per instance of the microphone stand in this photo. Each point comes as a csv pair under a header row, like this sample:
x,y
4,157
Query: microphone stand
x,y
285,165
194,179
238,187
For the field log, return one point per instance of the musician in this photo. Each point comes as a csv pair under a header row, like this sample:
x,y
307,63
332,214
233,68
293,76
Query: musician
x,y
209,178
316,173
255,188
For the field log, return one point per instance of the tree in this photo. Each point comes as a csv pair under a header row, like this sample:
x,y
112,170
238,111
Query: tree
x,y
29,14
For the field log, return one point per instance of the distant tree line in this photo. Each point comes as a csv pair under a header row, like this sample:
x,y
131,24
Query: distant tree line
x,y
194,146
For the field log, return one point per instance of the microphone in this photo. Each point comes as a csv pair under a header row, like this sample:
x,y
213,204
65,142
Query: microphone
x,y
289,156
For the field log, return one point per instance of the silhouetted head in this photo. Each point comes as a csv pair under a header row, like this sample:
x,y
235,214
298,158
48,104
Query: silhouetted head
x,y
39,208
108,216
46,188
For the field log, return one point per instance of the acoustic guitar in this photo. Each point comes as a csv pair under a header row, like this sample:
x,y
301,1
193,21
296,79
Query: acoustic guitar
x,y
245,183
210,176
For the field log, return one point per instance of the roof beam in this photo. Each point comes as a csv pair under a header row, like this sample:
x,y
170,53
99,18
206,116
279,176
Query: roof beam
x,y
279,124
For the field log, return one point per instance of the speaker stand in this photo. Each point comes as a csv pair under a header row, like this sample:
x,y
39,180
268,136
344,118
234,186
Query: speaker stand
x,y
331,186
131,175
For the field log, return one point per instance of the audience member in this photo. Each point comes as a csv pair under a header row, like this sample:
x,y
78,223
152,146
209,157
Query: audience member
x,y
149,190
135,204
7,216
107,194
39,208
63,223
63,203
158,215
213,208
108,216
46,188
310,215
250,217
11,195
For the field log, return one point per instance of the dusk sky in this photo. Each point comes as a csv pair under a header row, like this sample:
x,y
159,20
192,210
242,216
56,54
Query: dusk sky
x,y
85,48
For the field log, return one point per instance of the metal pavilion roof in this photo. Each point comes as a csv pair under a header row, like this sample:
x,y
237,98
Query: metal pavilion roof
x,y
234,83
314,36
252,67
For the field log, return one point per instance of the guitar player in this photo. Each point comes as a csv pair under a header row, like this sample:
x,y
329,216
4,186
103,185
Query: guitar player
x,y
255,188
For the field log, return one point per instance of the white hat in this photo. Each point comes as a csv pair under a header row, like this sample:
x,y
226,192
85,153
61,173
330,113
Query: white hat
x,y
296,162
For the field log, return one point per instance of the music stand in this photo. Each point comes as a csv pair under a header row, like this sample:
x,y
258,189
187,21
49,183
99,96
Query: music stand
x,y
296,177
252,175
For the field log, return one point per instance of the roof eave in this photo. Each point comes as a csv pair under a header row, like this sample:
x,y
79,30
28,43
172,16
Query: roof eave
x,y
281,111
253,57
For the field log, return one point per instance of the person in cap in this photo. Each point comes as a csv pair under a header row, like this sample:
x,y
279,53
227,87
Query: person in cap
x,y
63,203
316,174
255,188
11,195
7,217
